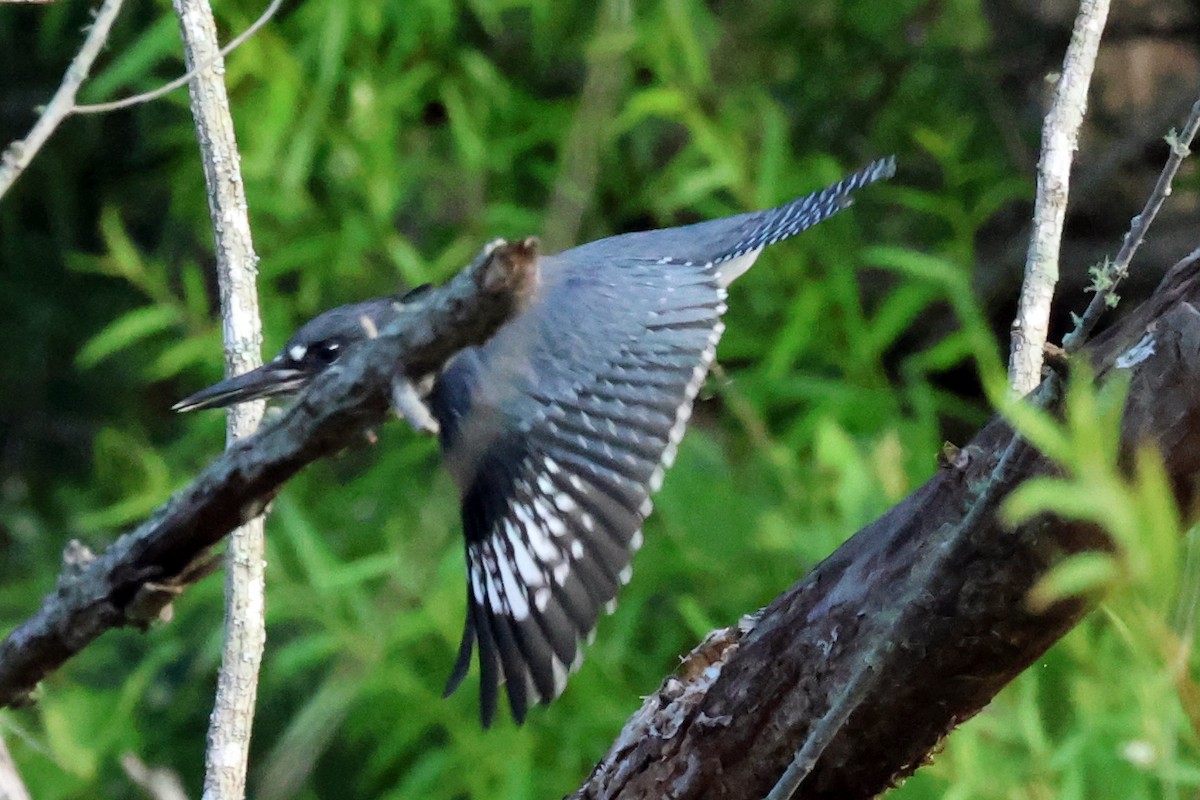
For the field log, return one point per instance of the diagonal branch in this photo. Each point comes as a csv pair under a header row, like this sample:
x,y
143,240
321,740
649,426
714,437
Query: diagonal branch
x,y
20,153
1110,275
129,583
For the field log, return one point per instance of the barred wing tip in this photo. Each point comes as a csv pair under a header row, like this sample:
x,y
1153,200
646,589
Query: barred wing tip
x,y
538,582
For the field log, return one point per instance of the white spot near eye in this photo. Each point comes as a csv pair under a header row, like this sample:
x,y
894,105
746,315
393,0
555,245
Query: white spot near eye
x,y
297,352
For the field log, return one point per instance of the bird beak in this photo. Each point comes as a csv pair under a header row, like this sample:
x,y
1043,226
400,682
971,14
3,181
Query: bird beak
x,y
269,380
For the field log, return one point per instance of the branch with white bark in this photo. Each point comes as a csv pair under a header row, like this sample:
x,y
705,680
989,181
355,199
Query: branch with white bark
x,y
230,726
1060,139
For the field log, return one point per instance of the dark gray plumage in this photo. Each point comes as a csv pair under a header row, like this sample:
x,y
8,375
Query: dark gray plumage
x,y
560,427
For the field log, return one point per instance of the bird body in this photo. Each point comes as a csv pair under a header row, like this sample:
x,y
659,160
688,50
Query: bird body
x,y
559,428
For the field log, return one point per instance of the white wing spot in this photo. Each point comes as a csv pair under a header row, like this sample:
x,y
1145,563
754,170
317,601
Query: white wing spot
x,y
560,676
543,548
495,601
514,592
527,568
548,518
476,571
635,541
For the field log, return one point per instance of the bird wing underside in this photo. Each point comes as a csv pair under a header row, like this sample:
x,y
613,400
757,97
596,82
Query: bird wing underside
x,y
558,430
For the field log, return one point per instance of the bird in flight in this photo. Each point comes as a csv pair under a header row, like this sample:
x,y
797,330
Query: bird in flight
x,y
559,428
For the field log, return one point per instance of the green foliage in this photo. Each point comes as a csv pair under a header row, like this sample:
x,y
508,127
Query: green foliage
x,y
1138,511
1112,710
381,144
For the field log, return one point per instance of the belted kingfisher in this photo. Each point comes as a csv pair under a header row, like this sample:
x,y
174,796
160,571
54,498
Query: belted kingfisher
x,y
559,428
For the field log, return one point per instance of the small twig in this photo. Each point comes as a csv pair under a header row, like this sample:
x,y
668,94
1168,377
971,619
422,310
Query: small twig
x,y
1110,275
21,152
1060,137
231,723
182,80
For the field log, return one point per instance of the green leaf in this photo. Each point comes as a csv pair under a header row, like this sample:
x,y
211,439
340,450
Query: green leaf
x,y
182,354
1084,573
125,331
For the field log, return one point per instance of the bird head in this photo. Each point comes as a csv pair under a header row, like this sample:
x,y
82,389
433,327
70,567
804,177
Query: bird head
x,y
312,349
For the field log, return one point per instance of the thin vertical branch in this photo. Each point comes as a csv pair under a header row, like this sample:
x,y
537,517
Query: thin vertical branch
x,y
11,785
245,634
20,153
1060,138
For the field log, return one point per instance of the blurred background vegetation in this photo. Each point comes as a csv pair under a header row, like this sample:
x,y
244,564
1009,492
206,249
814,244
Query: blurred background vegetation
x,y
382,144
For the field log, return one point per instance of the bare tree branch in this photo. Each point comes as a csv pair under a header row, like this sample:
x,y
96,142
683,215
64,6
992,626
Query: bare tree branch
x,y
232,720
1060,138
130,582
20,153
1110,275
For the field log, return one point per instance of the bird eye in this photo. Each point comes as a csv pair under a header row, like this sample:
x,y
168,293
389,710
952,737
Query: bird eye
x,y
325,352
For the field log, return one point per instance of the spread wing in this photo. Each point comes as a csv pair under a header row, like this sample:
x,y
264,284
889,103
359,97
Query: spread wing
x,y
557,431
560,428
